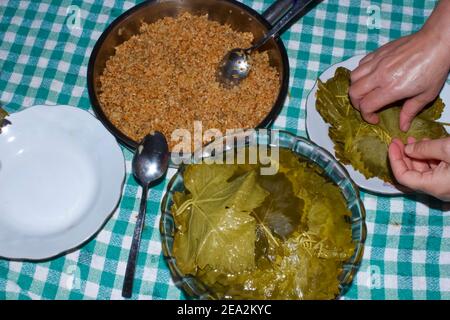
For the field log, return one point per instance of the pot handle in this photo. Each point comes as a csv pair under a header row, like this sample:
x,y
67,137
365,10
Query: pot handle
x,y
283,13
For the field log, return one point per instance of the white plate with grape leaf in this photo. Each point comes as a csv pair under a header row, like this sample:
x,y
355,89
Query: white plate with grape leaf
x,y
317,129
61,178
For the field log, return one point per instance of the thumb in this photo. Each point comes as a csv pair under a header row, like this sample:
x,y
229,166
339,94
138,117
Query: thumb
x,y
410,109
438,149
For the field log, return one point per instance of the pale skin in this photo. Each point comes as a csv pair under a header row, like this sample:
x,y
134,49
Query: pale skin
x,y
414,69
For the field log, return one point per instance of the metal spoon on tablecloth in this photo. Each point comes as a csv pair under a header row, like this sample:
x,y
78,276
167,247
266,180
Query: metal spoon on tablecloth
x,y
150,163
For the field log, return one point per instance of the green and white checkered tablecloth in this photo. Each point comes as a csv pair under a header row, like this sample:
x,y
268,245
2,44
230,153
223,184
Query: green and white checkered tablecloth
x,y
43,60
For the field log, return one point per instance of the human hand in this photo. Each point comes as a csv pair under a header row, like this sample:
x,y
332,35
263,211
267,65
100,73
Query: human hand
x,y
422,166
414,68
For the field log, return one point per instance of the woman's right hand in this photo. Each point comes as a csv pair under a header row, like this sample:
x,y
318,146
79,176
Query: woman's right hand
x,y
414,68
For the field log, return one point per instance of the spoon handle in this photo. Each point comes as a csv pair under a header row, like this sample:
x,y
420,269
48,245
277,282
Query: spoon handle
x,y
296,8
127,289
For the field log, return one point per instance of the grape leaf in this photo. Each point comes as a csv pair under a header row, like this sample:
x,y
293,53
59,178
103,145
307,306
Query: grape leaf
x,y
363,145
299,207
325,209
435,112
3,115
307,268
215,228
297,275
281,211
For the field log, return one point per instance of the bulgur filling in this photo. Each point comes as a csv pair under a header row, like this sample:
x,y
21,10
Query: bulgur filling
x,y
165,79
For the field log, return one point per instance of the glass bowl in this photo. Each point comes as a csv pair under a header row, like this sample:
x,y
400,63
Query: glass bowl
x,y
306,150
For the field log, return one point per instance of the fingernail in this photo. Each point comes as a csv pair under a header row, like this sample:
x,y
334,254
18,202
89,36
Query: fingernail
x,y
408,148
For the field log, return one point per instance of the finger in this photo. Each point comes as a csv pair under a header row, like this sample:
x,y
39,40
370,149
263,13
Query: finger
x,y
367,58
401,148
378,99
374,101
360,88
438,149
415,180
397,160
418,165
371,118
410,109
432,163
365,106
362,71
375,56
405,176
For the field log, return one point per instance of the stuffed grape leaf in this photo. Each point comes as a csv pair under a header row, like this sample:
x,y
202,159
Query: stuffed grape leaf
x,y
363,145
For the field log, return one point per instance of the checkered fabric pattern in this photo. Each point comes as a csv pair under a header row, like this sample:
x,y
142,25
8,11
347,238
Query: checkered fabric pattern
x,y
43,60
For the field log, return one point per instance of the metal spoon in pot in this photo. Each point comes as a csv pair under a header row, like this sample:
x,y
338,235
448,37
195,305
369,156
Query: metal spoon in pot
x,y
236,64
150,163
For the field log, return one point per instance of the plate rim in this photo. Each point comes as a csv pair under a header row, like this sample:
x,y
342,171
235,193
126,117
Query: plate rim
x,y
78,244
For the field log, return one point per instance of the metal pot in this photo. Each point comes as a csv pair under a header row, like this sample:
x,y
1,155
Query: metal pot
x,y
236,14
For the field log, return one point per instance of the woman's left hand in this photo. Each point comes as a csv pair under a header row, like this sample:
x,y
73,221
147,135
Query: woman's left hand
x,y
422,166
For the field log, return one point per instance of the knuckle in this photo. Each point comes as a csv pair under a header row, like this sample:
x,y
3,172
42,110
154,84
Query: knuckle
x,y
368,107
367,57
384,72
384,75
363,107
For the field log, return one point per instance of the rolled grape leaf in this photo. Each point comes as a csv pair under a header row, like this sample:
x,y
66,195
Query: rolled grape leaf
x,y
363,145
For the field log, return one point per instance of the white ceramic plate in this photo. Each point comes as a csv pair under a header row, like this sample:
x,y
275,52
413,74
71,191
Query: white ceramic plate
x,y
318,130
61,177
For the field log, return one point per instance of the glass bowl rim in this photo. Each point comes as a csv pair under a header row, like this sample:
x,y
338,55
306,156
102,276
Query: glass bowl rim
x,y
359,245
